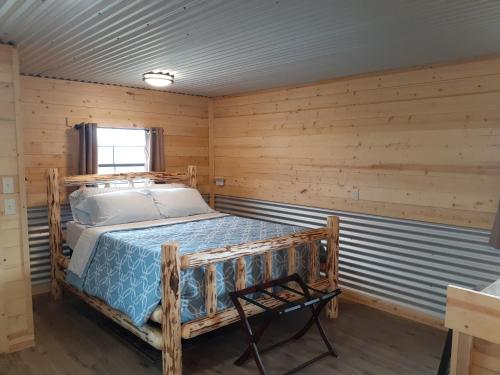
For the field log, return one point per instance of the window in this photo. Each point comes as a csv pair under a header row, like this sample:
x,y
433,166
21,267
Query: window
x,y
121,150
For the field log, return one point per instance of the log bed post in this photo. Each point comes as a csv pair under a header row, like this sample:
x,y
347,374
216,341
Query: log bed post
x,y
211,290
241,273
55,234
192,176
332,262
171,309
313,262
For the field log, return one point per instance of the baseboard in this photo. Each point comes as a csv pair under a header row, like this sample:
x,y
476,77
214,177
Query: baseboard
x,y
40,288
392,308
22,342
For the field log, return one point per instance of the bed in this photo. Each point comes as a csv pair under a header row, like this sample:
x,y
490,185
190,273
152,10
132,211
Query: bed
x,y
188,265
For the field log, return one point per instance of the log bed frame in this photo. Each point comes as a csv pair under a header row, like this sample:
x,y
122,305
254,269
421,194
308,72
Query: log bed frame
x,y
165,332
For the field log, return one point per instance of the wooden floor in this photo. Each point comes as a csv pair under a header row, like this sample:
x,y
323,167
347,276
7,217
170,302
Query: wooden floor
x,y
73,339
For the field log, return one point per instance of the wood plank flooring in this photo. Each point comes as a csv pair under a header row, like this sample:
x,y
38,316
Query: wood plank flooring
x,y
74,339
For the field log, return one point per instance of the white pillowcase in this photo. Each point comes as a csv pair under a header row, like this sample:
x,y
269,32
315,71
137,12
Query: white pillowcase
x,y
180,202
84,192
119,207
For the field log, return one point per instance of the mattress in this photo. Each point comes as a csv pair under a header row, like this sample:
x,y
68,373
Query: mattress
x,y
124,268
73,232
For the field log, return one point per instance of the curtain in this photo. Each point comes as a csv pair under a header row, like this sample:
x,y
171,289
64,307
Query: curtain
x,y
495,231
155,150
87,148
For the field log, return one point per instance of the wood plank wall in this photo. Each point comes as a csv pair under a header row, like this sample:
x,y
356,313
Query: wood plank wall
x,y
485,358
419,144
16,318
51,107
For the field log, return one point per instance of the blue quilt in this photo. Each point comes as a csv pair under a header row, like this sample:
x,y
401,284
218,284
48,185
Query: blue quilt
x,y
124,269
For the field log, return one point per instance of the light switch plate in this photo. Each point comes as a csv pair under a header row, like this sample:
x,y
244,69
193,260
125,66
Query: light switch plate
x,y
8,185
9,206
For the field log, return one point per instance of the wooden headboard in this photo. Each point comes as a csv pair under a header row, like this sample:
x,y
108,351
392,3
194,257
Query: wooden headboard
x,y
188,178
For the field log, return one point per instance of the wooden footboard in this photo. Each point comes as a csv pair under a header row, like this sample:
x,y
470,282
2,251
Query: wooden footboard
x,y
168,334
173,331
210,258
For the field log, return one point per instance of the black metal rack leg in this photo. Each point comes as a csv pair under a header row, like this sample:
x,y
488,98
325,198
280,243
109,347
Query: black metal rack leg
x,y
322,331
256,337
258,360
315,304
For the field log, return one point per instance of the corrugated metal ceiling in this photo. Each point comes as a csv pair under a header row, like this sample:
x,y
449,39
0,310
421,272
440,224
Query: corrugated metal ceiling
x,y
219,47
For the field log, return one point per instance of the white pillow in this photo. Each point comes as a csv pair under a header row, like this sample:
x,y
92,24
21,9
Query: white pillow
x,y
119,207
180,202
84,192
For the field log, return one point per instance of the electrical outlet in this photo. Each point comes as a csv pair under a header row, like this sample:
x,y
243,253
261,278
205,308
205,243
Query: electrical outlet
x,y
9,206
219,181
355,194
8,185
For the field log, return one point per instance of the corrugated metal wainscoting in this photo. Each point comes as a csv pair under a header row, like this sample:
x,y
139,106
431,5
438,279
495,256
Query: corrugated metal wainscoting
x,y
406,262
38,236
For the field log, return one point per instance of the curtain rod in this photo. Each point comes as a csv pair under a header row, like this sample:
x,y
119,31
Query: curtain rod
x,y
77,126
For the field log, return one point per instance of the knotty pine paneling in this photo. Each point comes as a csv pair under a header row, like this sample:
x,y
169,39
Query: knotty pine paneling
x,y
50,108
485,358
420,144
16,317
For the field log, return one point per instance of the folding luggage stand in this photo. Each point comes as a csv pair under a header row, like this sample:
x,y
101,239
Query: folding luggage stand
x,y
315,302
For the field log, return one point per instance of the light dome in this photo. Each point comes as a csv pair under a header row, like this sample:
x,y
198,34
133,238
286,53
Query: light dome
x,y
158,79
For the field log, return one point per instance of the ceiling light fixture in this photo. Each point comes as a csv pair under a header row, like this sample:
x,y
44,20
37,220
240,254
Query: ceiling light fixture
x,y
158,79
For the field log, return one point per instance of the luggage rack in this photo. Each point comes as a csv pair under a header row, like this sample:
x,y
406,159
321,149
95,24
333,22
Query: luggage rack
x,y
315,301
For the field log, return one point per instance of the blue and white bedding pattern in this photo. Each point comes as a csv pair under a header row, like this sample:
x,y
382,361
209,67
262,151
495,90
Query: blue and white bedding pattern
x,y
124,269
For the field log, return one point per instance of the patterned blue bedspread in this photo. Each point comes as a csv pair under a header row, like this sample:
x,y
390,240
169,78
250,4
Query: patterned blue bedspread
x,y
125,272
